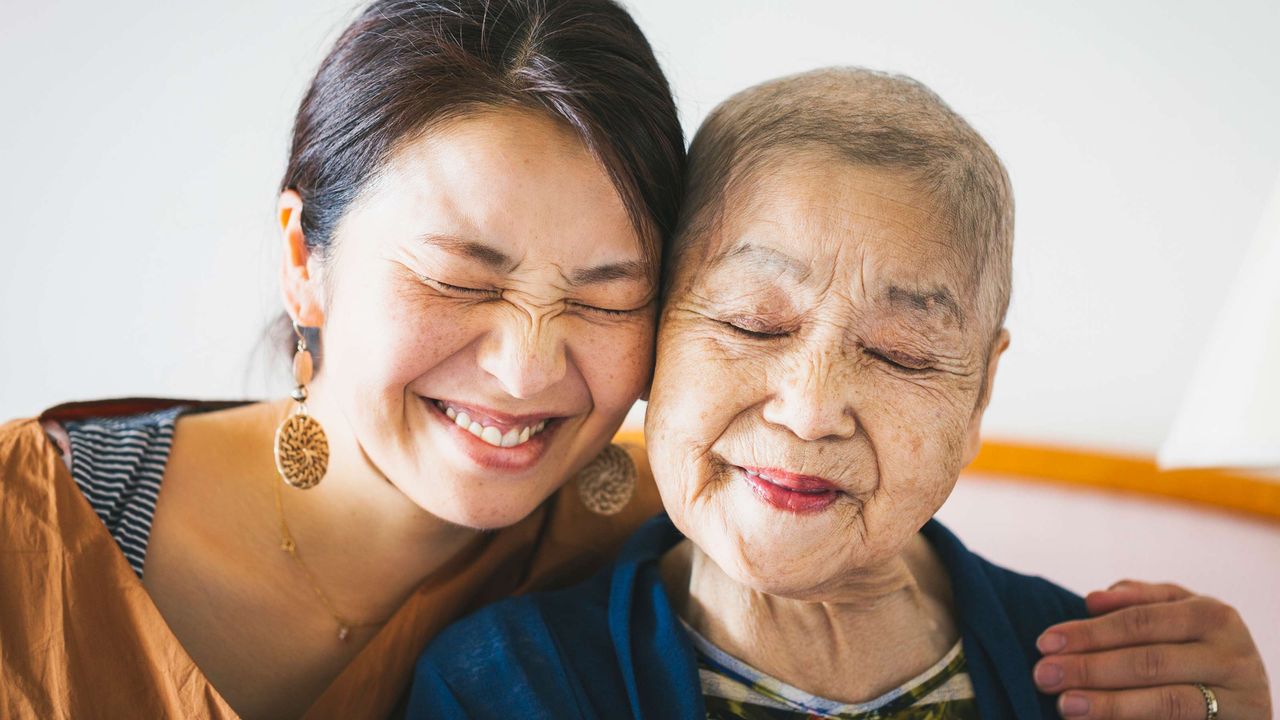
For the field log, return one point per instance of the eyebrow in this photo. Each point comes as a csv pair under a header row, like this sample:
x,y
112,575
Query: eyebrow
x,y
762,255
935,302
627,270
490,257
499,261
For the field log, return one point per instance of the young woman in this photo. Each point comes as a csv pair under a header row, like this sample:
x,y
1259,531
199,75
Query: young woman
x,y
472,218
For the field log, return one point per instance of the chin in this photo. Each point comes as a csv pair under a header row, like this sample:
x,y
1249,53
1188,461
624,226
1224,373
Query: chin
x,y
775,553
769,570
486,517
491,509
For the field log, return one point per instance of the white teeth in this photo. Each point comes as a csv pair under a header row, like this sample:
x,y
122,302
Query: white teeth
x,y
491,435
752,473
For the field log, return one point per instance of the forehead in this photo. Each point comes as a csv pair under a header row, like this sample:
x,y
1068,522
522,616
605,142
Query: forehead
x,y
822,221
512,179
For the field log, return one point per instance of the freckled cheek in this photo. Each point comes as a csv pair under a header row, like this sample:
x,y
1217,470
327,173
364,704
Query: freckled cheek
x,y
918,455
405,338
614,362
926,414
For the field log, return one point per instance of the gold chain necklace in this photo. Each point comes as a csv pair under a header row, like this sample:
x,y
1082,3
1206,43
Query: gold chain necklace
x,y
289,545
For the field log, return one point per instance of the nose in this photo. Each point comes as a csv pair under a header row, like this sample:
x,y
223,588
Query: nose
x,y
813,400
525,353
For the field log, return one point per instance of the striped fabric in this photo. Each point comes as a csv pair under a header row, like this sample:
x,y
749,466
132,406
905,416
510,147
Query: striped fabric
x,y
118,464
733,690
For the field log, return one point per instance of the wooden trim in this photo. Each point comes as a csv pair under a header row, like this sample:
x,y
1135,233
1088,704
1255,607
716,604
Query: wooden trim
x,y
1235,491
1229,490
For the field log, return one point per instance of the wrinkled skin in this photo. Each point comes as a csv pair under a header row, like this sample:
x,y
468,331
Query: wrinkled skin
x,y
833,330
808,331
814,325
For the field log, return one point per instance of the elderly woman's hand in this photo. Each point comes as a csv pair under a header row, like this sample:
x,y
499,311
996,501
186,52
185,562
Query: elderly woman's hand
x,y
1144,651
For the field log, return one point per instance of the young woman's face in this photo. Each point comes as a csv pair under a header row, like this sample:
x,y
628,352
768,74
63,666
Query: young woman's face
x,y
489,317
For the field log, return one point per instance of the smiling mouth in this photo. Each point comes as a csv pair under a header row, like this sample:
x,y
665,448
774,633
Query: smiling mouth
x,y
789,491
503,435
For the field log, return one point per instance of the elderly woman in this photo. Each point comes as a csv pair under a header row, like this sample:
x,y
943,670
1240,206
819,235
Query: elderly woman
x,y
827,350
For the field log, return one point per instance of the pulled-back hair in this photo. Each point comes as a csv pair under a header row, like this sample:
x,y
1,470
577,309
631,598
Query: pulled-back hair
x,y
404,66
865,118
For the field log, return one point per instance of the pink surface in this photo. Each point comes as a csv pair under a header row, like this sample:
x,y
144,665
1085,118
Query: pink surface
x,y
1086,539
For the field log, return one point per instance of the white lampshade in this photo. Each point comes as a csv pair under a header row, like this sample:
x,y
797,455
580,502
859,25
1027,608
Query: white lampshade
x,y
1230,416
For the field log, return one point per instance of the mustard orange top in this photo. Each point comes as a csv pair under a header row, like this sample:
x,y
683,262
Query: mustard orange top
x,y
80,637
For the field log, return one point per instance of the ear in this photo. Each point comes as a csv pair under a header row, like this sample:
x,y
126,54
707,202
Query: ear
x,y
974,439
299,284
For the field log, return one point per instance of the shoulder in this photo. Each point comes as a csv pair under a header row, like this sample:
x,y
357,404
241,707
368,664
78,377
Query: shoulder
x,y
29,461
1030,602
30,464
509,659
121,440
575,540
38,456
595,649
524,636
1002,613
109,453
18,435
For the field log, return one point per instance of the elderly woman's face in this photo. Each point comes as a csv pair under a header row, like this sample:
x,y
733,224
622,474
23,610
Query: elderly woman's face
x,y
492,316
820,377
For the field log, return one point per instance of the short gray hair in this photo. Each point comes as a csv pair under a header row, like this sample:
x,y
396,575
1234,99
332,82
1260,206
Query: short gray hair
x,y
867,118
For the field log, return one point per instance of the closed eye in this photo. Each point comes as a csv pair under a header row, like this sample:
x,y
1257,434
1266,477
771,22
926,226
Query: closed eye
x,y
752,329
606,312
449,289
900,362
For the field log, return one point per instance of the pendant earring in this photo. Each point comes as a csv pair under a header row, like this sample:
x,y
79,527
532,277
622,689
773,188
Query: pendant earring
x,y
302,450
608,483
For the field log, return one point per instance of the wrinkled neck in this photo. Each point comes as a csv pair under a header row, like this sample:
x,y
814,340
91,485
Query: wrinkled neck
x,y
884,625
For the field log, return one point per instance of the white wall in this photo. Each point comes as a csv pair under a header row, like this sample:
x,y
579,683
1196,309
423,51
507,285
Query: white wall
x,y
141,143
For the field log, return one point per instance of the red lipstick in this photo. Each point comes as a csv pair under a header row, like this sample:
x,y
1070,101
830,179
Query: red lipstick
x,y
790,491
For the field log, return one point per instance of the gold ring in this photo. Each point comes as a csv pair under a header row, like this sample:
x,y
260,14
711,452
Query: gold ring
x,y
1210,702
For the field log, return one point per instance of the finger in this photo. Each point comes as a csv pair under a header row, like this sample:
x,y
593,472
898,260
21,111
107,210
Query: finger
x,y
1175,702
1138,667
1127,593
1169,622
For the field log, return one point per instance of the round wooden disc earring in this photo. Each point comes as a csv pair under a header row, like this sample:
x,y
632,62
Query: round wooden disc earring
x,y
608,483
301,449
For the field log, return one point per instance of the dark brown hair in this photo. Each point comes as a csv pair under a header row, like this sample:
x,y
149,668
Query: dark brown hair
x,y
404,66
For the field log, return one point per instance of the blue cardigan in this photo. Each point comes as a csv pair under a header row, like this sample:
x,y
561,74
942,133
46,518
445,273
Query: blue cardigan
x,y
613,647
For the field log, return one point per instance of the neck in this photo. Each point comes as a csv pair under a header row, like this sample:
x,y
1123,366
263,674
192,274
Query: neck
x,y
881,629
356,530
